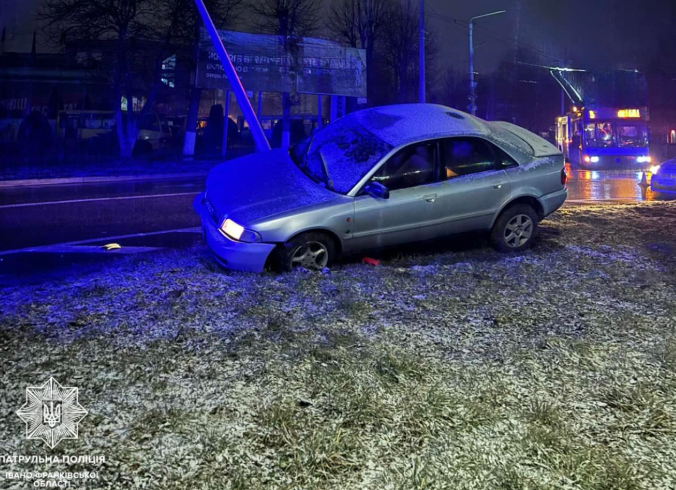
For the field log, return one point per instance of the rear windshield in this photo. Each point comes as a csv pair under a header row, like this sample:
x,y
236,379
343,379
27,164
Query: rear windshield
x,y
530,142
509,139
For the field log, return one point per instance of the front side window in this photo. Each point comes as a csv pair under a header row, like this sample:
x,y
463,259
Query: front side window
x,y
466,156
411,167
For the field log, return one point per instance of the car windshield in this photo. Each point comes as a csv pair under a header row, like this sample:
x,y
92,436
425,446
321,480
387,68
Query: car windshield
x,y
339,155
299,155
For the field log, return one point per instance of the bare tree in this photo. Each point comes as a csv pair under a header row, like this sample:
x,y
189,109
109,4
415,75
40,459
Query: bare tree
x,y
400,48
287,18
399,51
116,22
360,24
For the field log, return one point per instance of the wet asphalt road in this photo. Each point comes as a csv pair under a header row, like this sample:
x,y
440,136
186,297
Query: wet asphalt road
x,y
141,216
45,215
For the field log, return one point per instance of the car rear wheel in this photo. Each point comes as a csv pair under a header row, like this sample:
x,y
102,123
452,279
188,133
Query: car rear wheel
x,y
313,251
515,229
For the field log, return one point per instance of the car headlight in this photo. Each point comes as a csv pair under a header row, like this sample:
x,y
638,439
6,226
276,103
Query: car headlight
x,y
238,232
644,159
654,169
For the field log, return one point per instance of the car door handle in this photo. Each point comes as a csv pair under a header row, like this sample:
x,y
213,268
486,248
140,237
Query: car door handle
x,y
498,186
431,198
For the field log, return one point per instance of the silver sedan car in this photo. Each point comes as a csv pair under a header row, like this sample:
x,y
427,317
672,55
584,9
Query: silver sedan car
x,y
380,177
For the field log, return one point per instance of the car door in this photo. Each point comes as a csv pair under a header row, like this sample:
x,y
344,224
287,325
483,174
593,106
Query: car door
x,y
411,176
475,184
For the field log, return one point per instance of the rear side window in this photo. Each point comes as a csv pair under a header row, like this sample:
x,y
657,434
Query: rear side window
x,y
466,156
504,160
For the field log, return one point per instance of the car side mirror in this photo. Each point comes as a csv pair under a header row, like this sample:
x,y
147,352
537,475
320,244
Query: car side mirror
x,y
377,190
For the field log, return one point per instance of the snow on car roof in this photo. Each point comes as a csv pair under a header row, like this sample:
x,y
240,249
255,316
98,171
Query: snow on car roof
x,y
406,123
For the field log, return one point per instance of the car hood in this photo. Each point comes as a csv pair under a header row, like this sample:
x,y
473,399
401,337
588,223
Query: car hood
x,y
262,185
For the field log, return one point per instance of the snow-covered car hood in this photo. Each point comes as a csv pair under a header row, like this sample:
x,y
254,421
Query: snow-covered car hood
x,y
262,185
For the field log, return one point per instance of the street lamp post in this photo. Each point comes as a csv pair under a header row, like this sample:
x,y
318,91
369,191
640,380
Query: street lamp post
x,y
472,84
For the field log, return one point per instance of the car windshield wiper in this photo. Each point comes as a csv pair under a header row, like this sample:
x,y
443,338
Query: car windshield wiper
x,y
329,182
307,152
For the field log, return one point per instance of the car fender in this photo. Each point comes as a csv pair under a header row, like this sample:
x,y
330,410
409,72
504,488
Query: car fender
x,y
336,218
522,195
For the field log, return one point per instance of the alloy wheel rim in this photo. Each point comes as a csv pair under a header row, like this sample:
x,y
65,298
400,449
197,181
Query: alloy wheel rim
x,y
518,231
312,255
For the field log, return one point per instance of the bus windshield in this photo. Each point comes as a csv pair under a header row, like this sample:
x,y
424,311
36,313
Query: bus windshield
x,y
632,136
612,134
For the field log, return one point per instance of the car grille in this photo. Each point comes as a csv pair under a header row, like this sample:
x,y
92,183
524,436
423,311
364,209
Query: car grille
x,y
211,210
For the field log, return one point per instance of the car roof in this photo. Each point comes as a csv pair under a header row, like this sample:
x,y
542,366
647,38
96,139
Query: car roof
x,y
407,123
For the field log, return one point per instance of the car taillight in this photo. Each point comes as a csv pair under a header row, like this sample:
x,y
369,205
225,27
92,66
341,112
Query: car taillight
x,y
564,176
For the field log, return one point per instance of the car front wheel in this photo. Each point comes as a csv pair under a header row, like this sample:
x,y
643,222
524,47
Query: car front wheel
x,y
515,229
313,251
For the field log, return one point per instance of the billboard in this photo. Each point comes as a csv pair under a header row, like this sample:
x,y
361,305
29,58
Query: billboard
x,y
265,64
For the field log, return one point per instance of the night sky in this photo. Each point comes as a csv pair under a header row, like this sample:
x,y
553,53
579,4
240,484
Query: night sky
x,y
605,33
601,33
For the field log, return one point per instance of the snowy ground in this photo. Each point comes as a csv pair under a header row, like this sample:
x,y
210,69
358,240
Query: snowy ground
x,y
454,370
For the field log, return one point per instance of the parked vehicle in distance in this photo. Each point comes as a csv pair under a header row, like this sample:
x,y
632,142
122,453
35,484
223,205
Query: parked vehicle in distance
x,y
663,178
154,133
82,126
380,177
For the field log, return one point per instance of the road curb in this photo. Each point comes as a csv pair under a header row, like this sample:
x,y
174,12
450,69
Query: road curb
x,y
94,179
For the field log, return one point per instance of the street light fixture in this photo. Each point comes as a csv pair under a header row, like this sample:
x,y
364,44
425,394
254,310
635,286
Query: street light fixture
x,y
472,84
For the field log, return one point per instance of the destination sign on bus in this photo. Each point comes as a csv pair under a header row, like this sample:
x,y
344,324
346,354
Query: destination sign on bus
x,y
629,114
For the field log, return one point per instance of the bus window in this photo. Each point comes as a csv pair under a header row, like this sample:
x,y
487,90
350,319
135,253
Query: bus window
x,y
600,135
590,135
632,136
605,135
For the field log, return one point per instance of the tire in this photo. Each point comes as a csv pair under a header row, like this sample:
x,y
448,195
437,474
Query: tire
x,y
321,248
515,229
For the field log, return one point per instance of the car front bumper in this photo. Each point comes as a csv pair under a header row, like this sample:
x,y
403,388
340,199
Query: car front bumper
x,y
552,202
241,256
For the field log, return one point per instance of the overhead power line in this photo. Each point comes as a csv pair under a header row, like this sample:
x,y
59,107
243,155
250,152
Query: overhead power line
x,y
496,36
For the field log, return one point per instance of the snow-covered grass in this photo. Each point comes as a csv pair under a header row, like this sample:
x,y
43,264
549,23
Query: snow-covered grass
x,y
441,369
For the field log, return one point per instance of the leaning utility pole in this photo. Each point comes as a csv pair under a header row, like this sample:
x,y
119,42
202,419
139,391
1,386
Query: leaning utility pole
x,y
235,84
421,52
